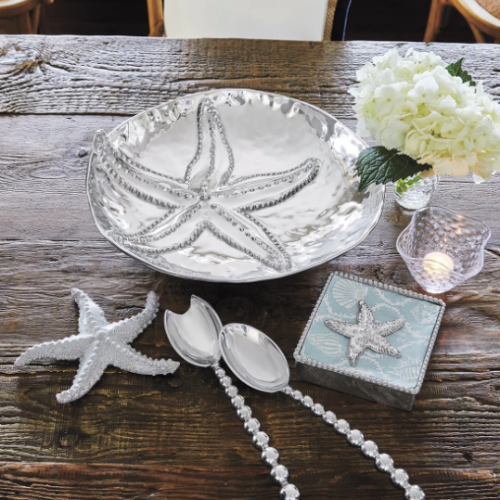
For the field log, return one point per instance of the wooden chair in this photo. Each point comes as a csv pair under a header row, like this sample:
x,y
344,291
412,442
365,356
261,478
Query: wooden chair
x,y
21,16
483,17
181,13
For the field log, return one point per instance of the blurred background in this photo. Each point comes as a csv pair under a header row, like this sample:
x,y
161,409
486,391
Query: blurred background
x,y
404,20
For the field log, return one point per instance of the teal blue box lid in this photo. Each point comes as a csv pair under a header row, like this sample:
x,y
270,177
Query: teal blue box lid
x,y
369,339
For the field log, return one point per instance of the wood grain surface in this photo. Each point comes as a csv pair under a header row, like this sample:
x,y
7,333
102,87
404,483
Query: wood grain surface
x,y
177,437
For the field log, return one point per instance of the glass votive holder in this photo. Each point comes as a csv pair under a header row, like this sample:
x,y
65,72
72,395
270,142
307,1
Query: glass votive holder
x,y
443,249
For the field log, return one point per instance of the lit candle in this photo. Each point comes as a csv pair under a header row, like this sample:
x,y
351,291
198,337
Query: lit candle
x,y
438,265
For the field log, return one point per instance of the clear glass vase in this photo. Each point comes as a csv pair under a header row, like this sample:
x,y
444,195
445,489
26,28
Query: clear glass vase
x,y
415,192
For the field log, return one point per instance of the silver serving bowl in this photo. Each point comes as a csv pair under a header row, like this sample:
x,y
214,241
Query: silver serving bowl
x,y
231,186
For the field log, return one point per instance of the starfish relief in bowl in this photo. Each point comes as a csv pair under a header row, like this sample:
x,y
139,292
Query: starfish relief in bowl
x,y
207,200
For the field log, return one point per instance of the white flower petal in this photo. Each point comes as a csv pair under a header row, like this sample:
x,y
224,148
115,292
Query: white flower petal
x,y
414,105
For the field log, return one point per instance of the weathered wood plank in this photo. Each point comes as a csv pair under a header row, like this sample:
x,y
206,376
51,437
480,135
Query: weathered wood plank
x,y
126,75
132,482
187,419
35,304
46,176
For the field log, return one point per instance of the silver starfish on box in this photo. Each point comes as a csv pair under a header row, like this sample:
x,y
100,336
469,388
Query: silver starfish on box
x,y
367,333
206,201
100,344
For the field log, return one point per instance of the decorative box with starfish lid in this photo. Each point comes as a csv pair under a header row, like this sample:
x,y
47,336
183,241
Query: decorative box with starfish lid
x,y
370,340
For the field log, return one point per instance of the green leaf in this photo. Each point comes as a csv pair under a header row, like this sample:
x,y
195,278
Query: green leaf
x,y
379,165
455,69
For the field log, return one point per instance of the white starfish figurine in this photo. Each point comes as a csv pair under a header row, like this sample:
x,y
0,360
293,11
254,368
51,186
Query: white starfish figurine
x,y
100,344
367,334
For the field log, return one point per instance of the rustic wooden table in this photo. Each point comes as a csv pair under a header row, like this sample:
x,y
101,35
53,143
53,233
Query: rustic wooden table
x,y
177,437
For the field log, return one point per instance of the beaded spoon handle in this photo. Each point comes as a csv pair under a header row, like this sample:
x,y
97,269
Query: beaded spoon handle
x,y
355,437
194,335
258,361
270,456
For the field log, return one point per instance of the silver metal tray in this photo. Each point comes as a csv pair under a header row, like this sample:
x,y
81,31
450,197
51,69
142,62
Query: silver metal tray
x,y
231,186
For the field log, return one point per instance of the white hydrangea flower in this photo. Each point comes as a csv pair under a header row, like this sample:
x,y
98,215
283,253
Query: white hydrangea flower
x,y
414,105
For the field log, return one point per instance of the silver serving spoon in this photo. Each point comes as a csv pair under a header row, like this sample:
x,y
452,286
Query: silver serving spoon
x,y
258,361
194,335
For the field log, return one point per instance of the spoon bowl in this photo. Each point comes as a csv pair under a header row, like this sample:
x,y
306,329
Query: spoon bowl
x,y
254,358
194,334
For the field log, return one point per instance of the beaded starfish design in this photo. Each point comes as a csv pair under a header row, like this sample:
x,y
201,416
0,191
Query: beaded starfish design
x,y
207,201
100,344
367,334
